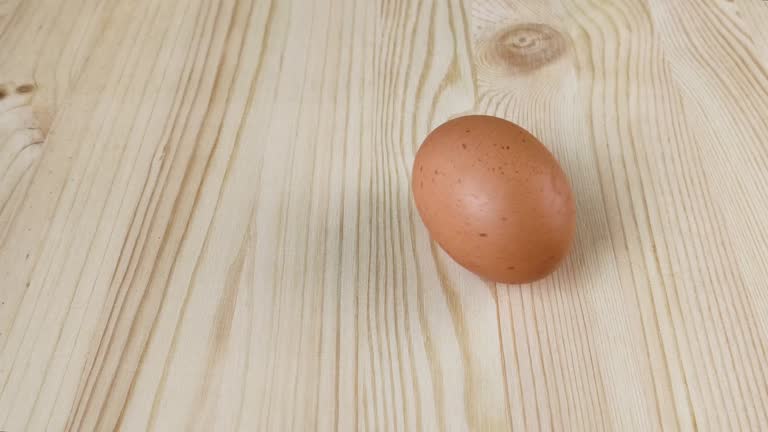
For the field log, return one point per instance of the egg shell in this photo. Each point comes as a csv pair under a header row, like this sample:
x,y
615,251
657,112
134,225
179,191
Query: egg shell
x,y
494,198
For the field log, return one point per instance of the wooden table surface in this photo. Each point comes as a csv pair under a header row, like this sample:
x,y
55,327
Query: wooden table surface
x,y
206,222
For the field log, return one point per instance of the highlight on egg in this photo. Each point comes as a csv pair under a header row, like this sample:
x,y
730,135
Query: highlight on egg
x,y
494,198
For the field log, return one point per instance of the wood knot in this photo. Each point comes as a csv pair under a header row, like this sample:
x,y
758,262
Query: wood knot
x,y
523,47
20,138
25,88
8,89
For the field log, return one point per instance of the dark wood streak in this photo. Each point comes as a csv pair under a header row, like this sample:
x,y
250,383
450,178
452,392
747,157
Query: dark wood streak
x,y
406,51
408,54
198,192
513,333
179,213
323,270
394,64
13,15
116,307
149,219
537,333
644,207
357,273
633,139
219,339
711,214
384,216
728,85
462,337
494,288
592,66
433,358
304,263
372,282
283,230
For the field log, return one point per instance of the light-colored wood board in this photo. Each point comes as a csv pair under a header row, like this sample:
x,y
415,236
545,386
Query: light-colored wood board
x,y
207,223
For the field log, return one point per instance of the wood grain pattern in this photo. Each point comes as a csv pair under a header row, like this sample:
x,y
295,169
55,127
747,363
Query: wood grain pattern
x,y
206,222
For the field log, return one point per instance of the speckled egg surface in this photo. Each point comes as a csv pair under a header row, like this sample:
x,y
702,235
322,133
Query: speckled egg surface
x,y
494,198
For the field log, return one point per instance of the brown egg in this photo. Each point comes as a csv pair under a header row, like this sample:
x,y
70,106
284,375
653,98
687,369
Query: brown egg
x,y
494,198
